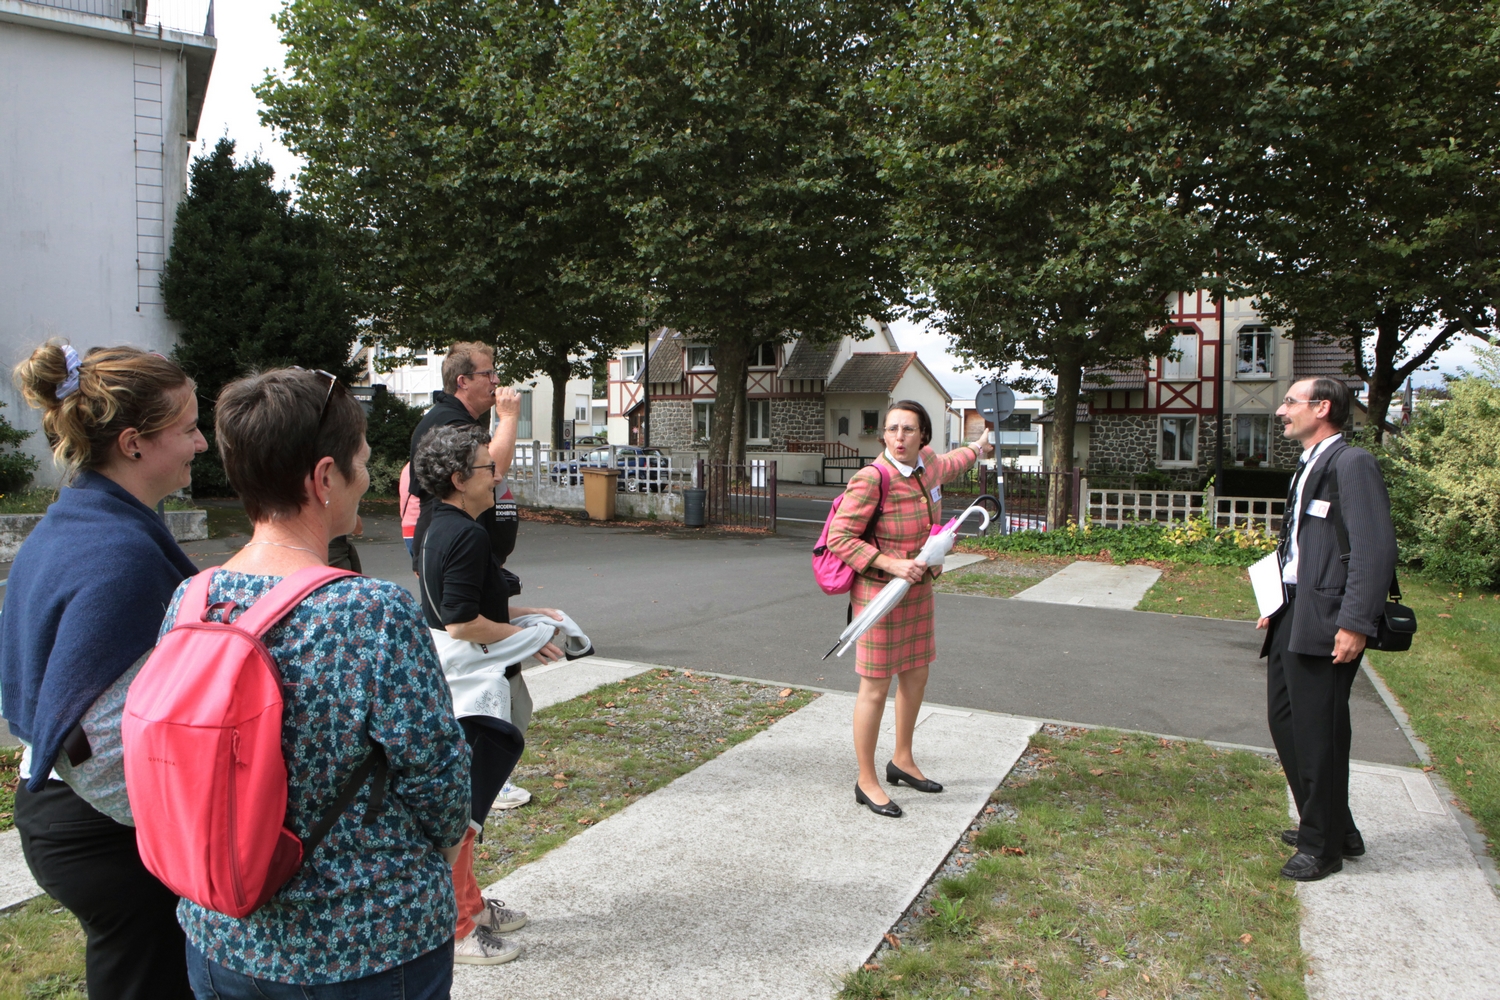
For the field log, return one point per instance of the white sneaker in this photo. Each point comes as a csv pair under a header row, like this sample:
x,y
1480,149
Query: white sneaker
x,y
483,948
510,797
499,918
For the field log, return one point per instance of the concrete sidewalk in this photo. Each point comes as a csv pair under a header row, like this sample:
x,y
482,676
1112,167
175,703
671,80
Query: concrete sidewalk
x,y
755,875
1094,585
1413,919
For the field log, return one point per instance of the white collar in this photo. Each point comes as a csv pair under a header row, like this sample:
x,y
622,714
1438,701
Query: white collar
x,y
905,470
1318,449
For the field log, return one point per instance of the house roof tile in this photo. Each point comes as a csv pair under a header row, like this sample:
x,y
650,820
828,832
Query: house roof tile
x,y
808,362
871,372
1084,416
666,359
1311,359
1118,376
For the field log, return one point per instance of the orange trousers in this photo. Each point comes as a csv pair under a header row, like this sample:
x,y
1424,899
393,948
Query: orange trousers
x,y
466,888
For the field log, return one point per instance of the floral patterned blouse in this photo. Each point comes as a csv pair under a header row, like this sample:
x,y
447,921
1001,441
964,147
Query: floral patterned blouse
x,y
357,665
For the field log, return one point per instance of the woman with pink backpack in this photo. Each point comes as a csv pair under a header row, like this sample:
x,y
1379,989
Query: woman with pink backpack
x,y
356,900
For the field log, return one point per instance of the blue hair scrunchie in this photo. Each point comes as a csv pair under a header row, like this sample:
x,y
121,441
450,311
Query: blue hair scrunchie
x,y
74,363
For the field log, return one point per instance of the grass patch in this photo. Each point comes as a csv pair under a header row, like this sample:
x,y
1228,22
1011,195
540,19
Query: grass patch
x,y
10,775
590,757
1000,577
41,952
1449,684
1108,865
1209,591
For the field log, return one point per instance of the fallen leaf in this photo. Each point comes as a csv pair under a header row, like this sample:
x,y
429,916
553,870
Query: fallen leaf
x,y
1096,771
1145,977
1102,993
559,784
784,693
1118,750
989,809
585,821
893,940
1012,850
609,723
1179,600
1428,767
1246,938
609,704
635,690
719,740
560,776
895,979
872,966
1445,616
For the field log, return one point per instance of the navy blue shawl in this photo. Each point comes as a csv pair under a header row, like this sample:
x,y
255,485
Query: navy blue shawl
x,y
84,601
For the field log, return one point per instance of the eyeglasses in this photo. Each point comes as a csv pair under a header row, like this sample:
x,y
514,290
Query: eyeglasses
x,y
1290,401
903,431
476,468
333,383
487,373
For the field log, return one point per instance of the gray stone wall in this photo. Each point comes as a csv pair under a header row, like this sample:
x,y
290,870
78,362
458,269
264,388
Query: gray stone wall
x,y
671,423
1123,444
802,419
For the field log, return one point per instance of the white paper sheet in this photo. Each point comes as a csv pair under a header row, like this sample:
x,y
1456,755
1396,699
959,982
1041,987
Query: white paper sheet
x,y
1265,579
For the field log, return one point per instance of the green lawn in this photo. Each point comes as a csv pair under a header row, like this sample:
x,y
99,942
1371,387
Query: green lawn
x,y
1208,591
1109,866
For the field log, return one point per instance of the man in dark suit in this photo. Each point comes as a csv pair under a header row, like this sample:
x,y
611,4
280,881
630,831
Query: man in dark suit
x,y
1332,602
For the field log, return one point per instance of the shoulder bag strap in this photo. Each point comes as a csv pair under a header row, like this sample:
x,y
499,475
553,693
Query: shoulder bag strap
x,y
1342,530
373,768
261,616
885,487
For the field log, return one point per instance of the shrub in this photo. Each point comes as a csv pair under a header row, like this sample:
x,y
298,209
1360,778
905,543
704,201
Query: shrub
x,y
1194,541
16,467
1444,479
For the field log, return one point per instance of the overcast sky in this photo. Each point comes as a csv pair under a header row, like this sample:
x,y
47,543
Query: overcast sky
x,y
250,45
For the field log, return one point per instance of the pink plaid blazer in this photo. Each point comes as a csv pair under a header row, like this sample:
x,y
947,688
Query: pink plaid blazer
x,y
904,639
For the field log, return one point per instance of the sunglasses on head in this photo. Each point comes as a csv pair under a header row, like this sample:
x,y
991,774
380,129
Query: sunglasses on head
x,y
333,382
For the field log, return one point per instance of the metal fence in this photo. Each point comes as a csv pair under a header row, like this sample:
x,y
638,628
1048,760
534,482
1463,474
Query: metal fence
x,y
648,472
740,496
840,461
1026,492
195,17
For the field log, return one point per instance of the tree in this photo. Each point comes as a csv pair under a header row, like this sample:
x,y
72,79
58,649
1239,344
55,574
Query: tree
x,y
728,133
16,467
1357,169
426,141
1038,152
252,283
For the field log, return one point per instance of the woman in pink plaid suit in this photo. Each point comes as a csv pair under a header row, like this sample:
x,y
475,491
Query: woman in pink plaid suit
x,y
901,644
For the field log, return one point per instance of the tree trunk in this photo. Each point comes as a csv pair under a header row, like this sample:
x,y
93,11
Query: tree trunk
x,y
1383,381
1064,424
559,377
737,437
731,357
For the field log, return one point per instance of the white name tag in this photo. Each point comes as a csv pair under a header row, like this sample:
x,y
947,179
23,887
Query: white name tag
x,y
937,494
1318,508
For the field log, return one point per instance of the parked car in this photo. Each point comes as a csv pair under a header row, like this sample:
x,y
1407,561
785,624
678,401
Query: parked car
x,y
642,470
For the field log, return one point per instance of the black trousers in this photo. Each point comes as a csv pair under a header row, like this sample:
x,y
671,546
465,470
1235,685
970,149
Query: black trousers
x,y
134,949
1307,706
496,746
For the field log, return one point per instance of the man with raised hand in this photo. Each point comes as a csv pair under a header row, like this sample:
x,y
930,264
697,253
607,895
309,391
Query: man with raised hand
x,y
470,389
1333,600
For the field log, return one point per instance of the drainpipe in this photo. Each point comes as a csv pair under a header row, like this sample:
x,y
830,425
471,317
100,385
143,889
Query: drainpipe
x,y
646,397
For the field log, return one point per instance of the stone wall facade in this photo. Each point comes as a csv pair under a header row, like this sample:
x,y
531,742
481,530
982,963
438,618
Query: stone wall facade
x,y
1123,444
801,419
671,423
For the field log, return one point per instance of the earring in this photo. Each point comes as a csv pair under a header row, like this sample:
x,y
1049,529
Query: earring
x,y
137,454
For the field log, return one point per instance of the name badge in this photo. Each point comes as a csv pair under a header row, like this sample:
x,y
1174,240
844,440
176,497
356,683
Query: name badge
x,y
1318,508
937,494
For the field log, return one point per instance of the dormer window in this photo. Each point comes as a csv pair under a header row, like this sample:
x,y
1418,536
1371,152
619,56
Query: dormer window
x,y
764,355
630,365
699,357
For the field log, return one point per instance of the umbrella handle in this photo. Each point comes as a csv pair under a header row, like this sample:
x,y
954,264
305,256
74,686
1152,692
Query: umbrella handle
x,y
974,509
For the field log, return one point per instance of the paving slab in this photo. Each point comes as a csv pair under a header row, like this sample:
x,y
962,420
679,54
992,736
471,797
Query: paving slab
x,y
753,876
1094,585
958,560
553,683
1415,917
16,883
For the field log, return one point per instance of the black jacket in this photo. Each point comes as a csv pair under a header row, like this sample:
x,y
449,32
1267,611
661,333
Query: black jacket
x,y
499,522
1332,593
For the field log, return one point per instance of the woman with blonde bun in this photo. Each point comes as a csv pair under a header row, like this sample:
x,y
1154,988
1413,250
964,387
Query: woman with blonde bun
x,y
85,600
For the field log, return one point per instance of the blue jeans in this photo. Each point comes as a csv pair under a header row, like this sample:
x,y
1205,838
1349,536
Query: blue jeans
x,y
428,977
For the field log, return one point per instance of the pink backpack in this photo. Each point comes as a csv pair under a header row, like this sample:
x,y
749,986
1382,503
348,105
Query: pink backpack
x,y
203,763
833,574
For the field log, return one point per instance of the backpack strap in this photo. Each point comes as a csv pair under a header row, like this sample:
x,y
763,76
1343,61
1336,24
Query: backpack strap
x,y
261,616
194,603
372,769
885,489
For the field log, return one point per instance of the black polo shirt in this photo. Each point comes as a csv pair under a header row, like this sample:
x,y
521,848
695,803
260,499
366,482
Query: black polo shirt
x,y
499,522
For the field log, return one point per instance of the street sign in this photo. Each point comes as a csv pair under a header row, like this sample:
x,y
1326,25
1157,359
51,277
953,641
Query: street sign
x,y
995,402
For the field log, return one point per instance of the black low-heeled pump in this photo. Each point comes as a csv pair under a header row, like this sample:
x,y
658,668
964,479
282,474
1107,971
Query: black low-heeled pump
x,y
889,809
895,776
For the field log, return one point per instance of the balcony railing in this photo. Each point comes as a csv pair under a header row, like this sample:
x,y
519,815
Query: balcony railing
x,y
195,17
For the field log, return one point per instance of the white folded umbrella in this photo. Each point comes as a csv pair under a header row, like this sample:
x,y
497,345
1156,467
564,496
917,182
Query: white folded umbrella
x,y
937,546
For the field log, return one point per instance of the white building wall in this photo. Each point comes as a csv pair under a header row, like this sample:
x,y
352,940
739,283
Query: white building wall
x,y
68,185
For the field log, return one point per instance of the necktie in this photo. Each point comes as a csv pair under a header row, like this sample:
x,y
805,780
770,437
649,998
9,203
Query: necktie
x,y
1289,517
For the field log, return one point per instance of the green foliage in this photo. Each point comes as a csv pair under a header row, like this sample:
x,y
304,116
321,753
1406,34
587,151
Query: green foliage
x,y
1444,479
1193,542
1040,158
392,422
16,467
252,283
1355,171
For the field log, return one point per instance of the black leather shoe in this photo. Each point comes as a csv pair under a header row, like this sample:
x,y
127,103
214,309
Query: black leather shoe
x,y
1354,844
1307,868
889,809
895,776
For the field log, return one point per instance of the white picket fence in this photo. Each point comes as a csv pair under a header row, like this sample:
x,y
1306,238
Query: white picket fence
x,y
1116,508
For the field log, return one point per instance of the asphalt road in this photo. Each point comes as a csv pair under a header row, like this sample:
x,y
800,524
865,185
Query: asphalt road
x,y
749,606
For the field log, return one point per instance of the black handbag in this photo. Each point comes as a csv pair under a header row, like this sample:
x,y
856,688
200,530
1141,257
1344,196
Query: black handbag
x,y
1397,623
